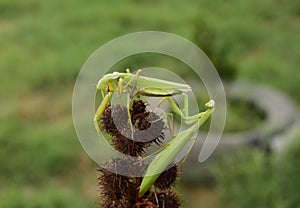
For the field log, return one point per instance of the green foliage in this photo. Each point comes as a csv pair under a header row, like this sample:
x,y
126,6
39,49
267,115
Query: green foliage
x,y
219,52
248,179
45,197
252,178
36,155
289,168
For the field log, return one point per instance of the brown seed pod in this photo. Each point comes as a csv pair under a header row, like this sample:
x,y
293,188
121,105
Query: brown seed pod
x,y
115,122
137,109
128,146
118,188
119,191
108,123
148,128
166,198
114,188
145,204
168,178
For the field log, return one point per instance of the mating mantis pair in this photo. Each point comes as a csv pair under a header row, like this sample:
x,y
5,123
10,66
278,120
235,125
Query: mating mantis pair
x,y
135,85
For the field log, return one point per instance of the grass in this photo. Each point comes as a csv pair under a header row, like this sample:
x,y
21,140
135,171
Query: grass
x,y
45,43
248,179
252,178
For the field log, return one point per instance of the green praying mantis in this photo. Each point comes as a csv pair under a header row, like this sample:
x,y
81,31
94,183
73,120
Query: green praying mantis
x,y
135,85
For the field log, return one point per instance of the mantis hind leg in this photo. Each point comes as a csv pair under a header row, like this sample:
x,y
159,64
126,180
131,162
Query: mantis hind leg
x,y
170,123
182,113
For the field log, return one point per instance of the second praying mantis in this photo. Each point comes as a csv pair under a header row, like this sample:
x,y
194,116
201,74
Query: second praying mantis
x,y
135,85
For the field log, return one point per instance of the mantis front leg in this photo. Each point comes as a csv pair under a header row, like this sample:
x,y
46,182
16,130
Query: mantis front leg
x,y
101,109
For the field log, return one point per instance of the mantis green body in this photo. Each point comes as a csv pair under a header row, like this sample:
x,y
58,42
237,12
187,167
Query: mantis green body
x,y
134,85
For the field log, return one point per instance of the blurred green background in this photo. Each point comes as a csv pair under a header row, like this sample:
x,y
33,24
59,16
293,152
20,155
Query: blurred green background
x,y
43,45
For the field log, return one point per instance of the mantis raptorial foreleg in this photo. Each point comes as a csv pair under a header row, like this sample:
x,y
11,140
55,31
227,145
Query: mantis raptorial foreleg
x,y
120,87
102,94
101,109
